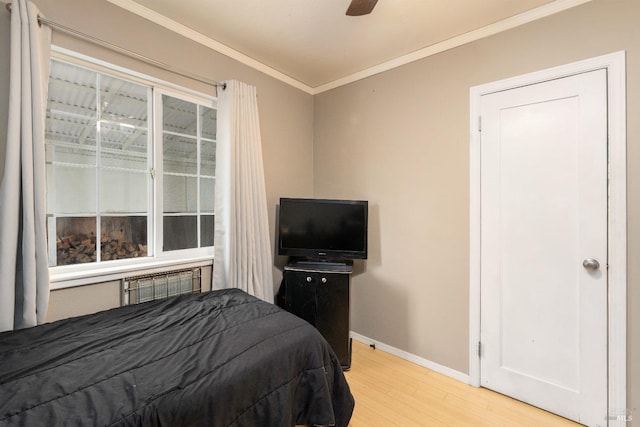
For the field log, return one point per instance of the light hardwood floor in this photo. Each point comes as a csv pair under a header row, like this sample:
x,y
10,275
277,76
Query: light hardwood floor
x,y
390,391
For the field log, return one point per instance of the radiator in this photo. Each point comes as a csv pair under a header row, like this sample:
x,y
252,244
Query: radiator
x,y
150,287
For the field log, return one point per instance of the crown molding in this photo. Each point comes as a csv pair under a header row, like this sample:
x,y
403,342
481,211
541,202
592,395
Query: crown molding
x,y
200,38
489,30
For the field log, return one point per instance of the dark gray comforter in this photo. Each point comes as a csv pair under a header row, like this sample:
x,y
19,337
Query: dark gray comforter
x,y
222,358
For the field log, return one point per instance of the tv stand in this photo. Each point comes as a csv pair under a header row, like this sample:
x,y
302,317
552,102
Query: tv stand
x,y
318,291
320,265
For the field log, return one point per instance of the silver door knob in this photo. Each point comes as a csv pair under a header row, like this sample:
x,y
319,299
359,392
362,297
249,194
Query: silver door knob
x,y
591,264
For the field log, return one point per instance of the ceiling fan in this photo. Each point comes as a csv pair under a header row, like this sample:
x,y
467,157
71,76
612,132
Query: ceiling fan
x,y
361,7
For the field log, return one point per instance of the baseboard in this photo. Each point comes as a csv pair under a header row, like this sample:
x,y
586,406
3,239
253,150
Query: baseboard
x,y
436,367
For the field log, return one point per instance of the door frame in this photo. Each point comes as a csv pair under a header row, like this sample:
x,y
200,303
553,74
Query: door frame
x,y
614,63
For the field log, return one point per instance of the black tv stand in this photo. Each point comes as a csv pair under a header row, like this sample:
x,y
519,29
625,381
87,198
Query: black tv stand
x,y
320,265
318,291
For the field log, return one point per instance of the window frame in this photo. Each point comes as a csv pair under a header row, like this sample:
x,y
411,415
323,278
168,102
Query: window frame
x,y
159,173
64,276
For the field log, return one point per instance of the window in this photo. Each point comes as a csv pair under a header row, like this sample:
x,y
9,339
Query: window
x,y
189,154
130,169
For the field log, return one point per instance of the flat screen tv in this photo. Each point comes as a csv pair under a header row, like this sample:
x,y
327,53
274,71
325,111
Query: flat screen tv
x,y
323,229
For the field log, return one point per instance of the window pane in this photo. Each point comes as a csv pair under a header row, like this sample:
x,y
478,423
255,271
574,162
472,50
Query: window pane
x,y
194,156
72,90
179,116
207,195
79,155
206,230
180,232
123,101
123,191
124,147
179,194
70,126
70,139
75,240
87,110
180,154
208,158
74,190
208,122
123,237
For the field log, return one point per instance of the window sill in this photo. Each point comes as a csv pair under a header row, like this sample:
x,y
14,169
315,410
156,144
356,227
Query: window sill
x,y
61,278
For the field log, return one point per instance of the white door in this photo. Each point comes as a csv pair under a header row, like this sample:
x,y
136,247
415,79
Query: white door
x,y
543,244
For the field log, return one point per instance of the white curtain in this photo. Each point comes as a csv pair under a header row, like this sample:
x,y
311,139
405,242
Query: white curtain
x,y
242,248
24,275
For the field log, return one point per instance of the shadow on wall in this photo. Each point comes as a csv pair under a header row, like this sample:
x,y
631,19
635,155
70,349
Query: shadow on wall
x,y
380,310
279,261
379,305
373,242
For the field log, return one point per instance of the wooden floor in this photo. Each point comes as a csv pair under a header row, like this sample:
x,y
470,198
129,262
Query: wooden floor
x,y
390,391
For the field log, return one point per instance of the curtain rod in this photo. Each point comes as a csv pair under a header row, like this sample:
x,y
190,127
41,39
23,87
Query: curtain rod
x,y
126,52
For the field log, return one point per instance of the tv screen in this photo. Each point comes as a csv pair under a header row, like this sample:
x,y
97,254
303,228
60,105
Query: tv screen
x,y
322,229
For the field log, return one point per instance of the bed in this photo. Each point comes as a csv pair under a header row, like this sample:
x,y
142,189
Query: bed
x,y
221,358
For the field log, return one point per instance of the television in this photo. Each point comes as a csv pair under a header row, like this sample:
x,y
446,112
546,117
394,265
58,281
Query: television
x,y
323,229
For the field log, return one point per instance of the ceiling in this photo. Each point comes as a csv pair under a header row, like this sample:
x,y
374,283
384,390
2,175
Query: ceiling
x,y
312,44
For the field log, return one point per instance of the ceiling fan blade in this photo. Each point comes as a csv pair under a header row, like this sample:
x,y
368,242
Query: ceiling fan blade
x,y
361,7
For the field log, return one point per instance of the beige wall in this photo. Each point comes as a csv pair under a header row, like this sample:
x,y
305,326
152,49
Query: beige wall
x,y
401,140
79,300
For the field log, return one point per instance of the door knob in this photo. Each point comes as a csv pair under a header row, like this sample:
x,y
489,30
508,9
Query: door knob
x,y
591,264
